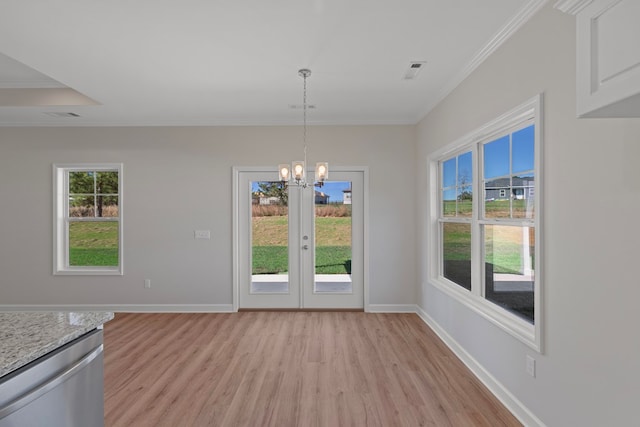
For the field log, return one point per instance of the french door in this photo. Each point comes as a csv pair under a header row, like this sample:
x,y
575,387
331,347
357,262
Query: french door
x,y
300,247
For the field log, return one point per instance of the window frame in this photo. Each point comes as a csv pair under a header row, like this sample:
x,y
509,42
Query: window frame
x,y
61,220
522,116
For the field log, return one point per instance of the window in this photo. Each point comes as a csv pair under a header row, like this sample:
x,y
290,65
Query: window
x,y
455,218
88,219
487,221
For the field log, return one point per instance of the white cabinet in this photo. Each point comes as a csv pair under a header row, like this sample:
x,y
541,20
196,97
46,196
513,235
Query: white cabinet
x,y
608,58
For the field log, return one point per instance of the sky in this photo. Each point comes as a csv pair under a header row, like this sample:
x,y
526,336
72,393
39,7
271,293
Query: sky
x,y
496,158
332,188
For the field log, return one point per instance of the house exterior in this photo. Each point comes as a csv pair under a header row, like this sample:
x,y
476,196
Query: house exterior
x,y
346,196
259,198
501,189
321,198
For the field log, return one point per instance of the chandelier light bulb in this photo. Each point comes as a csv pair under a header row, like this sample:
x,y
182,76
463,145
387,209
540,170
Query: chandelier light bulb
x,y
322,172
284,172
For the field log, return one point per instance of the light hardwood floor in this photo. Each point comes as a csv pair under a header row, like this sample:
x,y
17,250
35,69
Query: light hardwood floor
x,y
288,369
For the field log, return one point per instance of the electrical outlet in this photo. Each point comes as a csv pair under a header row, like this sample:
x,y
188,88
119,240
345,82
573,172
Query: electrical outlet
x,y
147,283
531,366
202,234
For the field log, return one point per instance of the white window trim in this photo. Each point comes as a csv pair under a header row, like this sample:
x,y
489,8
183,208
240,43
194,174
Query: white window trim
x,y
60,238
529,334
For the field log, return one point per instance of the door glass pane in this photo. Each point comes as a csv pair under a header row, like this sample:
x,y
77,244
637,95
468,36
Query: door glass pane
x,y
456,241
333,237
93,243
509,268
269,237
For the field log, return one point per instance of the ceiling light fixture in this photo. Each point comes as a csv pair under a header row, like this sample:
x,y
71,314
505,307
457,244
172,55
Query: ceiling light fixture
x,y
297,174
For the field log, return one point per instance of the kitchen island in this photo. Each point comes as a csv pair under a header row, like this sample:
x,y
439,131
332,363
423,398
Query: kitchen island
x,y
51,368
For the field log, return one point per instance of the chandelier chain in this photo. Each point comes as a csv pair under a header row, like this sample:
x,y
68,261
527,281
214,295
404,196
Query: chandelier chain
x,y
304,110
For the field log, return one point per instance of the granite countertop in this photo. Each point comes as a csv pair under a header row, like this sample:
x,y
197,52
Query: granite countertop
x,y
25,336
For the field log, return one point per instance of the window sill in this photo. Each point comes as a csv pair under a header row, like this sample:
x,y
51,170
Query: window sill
x,y
525,332
117,271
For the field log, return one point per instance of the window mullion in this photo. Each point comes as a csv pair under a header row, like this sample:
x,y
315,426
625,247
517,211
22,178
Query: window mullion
x,y
95,191
511,195
477,197
94,219
65,215
456,189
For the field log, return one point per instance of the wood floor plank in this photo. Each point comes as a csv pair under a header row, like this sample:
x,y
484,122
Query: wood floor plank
x,y
288,369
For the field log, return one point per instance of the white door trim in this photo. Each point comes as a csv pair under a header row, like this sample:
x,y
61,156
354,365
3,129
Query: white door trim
x,y
235,208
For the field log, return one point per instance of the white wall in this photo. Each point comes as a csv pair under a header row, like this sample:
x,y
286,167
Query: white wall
x,y
589,374
177,180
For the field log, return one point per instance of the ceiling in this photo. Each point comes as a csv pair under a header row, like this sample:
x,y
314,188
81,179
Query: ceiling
x,y
235,62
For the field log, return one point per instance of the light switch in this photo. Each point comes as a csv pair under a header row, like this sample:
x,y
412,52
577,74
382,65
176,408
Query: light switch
x,y
202,234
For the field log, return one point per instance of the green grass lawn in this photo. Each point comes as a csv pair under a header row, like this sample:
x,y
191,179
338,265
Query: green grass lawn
x,y
274,260
493,208
93,244
504,250
270,240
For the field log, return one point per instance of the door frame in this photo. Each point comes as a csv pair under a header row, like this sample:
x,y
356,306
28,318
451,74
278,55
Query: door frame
x,y
235,208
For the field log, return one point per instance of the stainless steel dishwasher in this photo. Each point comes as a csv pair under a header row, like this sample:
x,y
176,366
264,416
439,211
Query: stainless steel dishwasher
x,y
63,388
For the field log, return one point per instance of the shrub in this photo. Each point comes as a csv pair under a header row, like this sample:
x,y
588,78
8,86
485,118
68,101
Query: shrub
x,y
268,210
340,211
109,211
335,211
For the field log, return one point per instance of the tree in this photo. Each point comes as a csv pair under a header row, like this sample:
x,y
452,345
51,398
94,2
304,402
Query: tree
x,y
464,186
93,189
275,189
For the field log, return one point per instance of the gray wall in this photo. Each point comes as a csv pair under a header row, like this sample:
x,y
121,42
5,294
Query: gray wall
x,y
177,180
589,374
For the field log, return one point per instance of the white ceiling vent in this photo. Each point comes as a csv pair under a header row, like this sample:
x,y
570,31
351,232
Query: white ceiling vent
x,y
60,114
414,69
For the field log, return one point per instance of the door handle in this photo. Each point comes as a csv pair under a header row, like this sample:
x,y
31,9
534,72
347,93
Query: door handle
x,y
305,247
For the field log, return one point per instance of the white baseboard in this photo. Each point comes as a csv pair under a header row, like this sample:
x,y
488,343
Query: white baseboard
x,y
517,408
125,308
392,308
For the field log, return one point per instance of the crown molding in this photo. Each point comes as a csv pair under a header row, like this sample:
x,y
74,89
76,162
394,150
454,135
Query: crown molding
x,y
504,34
571,7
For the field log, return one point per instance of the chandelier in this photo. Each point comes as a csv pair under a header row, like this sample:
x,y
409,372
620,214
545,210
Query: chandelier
x,y
297,173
